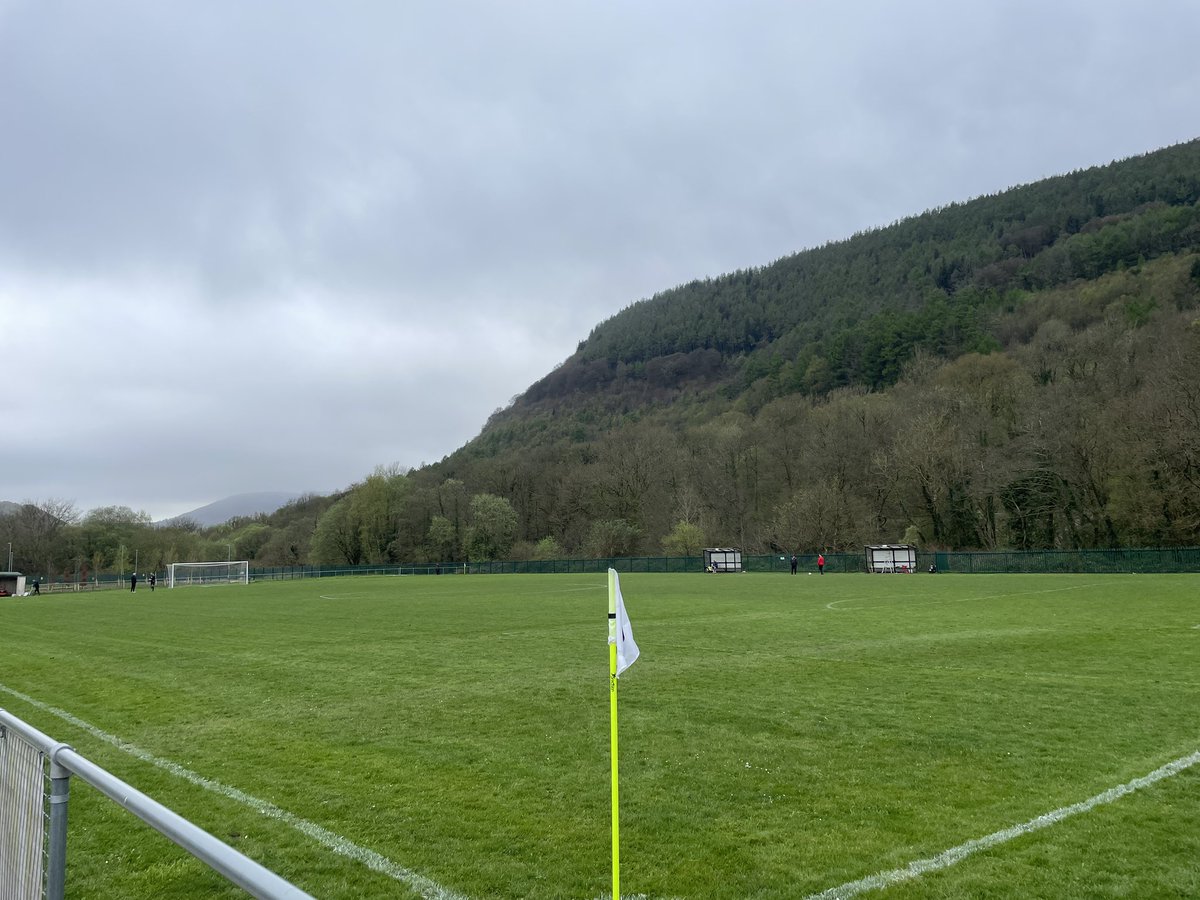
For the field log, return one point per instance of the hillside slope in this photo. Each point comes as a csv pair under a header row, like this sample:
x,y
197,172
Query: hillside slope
x,y
853,311
895,383
1018,371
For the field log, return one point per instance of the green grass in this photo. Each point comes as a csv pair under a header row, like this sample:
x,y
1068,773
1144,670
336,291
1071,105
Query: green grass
x,y
779,735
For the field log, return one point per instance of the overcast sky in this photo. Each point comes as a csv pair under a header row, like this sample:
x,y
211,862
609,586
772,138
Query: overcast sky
x,y
269,245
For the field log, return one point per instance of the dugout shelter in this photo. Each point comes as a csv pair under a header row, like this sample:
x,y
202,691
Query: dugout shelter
x,y
12,583
722,559
891,558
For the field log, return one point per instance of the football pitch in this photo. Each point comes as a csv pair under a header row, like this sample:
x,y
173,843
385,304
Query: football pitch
x,y
780,736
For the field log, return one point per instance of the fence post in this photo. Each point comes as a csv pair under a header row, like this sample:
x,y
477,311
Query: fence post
x,y
56,852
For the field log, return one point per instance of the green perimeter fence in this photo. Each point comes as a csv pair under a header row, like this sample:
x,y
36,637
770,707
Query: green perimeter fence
x,y
1173,559
1140,561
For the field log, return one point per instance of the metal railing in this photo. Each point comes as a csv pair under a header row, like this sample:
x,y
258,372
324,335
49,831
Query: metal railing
x,y
65,762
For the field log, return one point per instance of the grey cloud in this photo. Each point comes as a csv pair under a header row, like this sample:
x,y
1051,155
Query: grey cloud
x,y
196,194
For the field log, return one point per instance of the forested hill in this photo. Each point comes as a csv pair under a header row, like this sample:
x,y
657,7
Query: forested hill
x,y
1016,370
852,312
1021,370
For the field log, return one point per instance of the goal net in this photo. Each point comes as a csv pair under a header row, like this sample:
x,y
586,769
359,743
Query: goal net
x,y
182,574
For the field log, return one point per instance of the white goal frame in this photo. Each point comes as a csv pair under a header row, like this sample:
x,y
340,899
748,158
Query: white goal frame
x,y
184,574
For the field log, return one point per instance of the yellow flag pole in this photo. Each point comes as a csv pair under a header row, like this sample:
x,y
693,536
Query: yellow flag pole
x,y
612,715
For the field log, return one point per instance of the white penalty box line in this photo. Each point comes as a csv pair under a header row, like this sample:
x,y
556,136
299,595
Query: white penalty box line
x,y
954,855
425,887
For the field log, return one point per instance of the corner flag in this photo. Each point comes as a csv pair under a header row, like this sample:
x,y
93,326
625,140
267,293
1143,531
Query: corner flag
x,y
627,649
622,651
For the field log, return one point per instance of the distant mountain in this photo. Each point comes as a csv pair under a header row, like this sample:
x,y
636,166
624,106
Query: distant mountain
x,y
7,507
222,511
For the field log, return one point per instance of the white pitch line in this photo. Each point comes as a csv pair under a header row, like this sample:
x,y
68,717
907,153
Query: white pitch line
x,y
426,887
954,855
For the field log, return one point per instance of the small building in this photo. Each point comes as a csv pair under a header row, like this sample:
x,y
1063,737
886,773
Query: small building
x,y
890,558
722,559
12,584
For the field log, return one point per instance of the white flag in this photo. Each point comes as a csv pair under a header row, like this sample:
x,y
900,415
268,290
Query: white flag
x,y
627,649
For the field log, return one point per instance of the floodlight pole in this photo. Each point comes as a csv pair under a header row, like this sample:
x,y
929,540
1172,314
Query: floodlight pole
x,y
9,556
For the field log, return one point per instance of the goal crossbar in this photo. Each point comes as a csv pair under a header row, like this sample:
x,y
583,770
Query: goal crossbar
x,y
182,574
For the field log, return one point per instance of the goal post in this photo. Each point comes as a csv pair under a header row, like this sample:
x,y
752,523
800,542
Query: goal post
x,y
183,574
